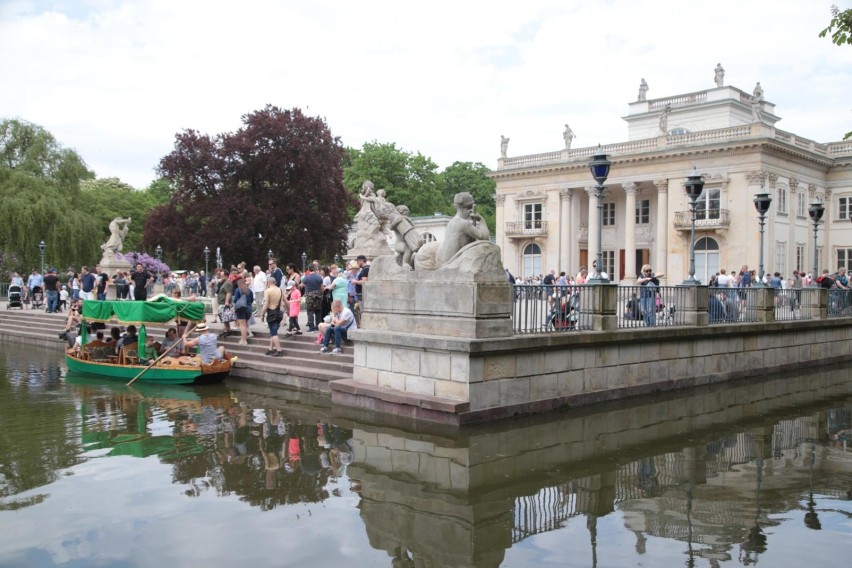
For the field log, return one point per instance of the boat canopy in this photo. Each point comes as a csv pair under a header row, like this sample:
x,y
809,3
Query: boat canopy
x,y
158,310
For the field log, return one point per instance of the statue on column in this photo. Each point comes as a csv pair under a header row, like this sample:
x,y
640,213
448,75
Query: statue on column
x,y
720,75
504,146
118,229
643,90
568,136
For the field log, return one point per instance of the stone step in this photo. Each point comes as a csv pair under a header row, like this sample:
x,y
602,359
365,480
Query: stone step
x,y
301,366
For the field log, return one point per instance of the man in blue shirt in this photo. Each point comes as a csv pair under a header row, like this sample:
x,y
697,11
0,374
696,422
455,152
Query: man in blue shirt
x,y
87,284
35,280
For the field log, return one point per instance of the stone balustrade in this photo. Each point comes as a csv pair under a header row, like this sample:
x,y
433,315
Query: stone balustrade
x,y
678,101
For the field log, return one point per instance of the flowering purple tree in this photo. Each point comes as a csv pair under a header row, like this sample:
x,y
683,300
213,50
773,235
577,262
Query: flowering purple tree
x,y
149,263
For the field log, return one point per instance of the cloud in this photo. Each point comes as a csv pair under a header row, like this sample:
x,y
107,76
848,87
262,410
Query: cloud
x,y
116,80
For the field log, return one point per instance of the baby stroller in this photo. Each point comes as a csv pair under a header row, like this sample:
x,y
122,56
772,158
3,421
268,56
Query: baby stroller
x,y
37,298
564,314
16,298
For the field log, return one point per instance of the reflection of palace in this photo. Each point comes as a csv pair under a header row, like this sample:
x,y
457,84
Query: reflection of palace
x,y
442,502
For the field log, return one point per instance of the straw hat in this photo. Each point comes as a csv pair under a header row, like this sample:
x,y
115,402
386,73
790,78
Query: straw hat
x,y
201,327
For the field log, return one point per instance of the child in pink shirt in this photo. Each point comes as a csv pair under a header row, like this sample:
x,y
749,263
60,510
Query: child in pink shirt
x,y
294,298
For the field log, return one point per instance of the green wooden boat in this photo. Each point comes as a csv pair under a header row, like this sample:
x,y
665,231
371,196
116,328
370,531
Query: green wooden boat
x,y
99,359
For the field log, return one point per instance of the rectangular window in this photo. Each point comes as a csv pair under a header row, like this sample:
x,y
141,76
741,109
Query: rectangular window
x,y
800,257
708,204
843,207
802,210
533,215
844,256
782,200
643,211
608,257
608,214
780,259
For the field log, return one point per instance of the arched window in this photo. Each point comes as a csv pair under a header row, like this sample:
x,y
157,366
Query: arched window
x,y
532,260
706,259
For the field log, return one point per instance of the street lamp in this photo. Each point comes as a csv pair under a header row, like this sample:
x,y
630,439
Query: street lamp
x,y
219,258
336,259
159,262
269,254
816,211
694,186
600,171
304,260
206,260
42,247
762,201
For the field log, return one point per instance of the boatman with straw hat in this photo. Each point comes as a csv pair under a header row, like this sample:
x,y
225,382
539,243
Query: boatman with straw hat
x,y
208,349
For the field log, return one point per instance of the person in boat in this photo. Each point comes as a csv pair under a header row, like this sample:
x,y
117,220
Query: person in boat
x,y
72,323
208,349
168,341
129,338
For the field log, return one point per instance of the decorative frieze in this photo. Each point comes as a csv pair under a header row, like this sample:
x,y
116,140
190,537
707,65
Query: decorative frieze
x,y
757,177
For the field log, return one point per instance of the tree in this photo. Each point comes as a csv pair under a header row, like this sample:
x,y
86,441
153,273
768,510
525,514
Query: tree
x,y
408,179
840,26
275,184
473,178
39,190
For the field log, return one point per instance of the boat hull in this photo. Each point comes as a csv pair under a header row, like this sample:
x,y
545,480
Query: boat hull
x,y
182,375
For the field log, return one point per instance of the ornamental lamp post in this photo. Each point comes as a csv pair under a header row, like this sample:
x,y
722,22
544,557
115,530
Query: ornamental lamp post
x,y
269,254
336,259
694,186
304,260
762,201
206,260
599,167
816,211
42,248
159,262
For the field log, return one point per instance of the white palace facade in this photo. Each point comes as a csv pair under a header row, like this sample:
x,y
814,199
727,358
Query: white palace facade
x,y
547,214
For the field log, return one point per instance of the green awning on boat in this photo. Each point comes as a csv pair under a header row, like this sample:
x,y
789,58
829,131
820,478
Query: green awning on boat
x,y
159,310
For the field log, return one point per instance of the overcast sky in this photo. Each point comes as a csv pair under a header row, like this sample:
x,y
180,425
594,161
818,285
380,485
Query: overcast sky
x,y
116,80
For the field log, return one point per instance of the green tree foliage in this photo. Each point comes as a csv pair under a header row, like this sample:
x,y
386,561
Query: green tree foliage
x,y
408,179
276,183
39,190
107,198
840,26
473,178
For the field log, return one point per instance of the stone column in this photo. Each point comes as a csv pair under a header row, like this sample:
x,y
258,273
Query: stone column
x,y
659,263
565,226
593,226
630,190
500,229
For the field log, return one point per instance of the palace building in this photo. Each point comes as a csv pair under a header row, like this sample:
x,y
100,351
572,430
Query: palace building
x,y
547,210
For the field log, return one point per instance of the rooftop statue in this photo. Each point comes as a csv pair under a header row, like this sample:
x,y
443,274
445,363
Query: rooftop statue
x,y
116,238
568,136
720,75
643,90
756,103
504,146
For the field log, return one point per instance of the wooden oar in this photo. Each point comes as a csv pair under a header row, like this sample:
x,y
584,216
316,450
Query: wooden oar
x,y
157,360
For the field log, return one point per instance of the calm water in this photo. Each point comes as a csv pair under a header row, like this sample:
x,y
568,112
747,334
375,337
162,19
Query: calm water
x,y
104,475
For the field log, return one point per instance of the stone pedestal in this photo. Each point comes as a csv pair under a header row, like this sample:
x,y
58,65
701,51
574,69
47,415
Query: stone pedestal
x,y
110,267
415,353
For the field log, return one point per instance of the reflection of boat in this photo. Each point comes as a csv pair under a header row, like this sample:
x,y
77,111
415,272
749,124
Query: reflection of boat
x,y
98,358
100,431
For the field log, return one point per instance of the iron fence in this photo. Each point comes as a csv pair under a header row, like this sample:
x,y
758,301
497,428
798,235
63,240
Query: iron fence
x,y
796,304
649,306
551,308
732,305
839,302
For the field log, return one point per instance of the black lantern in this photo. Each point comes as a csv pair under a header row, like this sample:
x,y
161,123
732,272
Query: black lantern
x,y
762,201
206,260
159,251
336,259
816,211
693,186
599,167
304,260
42,248
269,254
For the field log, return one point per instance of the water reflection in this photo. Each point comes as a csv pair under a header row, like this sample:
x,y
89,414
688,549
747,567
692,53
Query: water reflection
x,y
747,473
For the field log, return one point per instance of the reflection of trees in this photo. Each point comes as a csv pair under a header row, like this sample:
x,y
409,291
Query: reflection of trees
x,y
34,441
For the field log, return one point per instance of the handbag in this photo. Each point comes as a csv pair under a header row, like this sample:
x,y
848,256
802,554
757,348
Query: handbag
x,y
227,315
274,316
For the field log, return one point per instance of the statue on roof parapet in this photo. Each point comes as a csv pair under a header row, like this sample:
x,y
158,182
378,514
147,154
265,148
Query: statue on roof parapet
x,y
643,90
720,75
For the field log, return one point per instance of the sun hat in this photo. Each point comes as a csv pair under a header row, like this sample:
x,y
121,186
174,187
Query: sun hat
x,y
201,327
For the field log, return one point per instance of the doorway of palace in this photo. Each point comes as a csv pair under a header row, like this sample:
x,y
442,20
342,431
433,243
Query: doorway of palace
x,y
643,256
706,259
532,260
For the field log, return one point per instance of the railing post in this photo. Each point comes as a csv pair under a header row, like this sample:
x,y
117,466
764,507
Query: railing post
x,y
604,307
765,308
695,305
819,304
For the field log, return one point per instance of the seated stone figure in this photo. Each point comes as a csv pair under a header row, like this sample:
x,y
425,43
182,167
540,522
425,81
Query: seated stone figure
x,y
463,230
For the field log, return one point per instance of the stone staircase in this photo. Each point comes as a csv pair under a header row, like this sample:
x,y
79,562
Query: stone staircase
x,y
301,366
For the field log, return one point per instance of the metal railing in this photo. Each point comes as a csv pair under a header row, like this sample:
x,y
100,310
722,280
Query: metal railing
x,y
643,306
796,304
732,305
551,308
839,303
